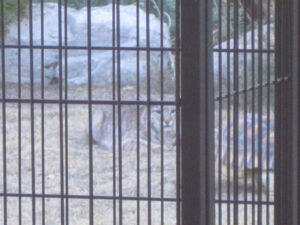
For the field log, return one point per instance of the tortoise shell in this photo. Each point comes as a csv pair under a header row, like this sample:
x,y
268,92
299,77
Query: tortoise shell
x,y
250,149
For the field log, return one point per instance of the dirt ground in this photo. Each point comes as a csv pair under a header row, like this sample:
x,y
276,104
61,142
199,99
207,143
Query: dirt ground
x,y
47,150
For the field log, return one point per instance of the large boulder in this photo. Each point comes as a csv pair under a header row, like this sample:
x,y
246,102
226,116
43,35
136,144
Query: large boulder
x,y
224,56
77,40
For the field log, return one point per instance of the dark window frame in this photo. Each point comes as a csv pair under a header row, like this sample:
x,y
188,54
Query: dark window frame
x,y
197,114
287,121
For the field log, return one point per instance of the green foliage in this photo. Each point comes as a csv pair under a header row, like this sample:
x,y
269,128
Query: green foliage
x,y
248,16
11,9
169,13
77,4
156,8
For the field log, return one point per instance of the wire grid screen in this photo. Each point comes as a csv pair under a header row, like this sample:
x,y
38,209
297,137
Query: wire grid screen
x,y
244,111
90,112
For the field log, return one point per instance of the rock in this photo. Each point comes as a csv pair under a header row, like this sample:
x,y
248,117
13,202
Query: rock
x,y
77,40
227,60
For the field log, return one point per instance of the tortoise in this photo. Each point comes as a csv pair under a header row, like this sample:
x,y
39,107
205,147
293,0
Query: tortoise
x,y
249,150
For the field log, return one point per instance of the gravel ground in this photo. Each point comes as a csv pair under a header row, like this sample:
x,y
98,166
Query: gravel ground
x,y
78,165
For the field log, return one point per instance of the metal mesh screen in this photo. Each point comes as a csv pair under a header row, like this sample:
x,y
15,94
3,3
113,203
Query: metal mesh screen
x,y
245,81
90,112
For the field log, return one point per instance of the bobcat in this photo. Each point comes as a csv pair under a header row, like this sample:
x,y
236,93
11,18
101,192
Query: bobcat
x,y
105,118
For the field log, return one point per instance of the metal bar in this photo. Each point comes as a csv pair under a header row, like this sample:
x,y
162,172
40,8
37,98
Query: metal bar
x,y
245,117
228,32
66,112
3,117
119,113
42,112
138,106
260,110
19,116
253,88
84,102
130,198
87,197
243,50
220,119
162,112
122,48
91,166
236,115
61,132
197,114
114,108
268,111
242,202
32,114
148,111
253,111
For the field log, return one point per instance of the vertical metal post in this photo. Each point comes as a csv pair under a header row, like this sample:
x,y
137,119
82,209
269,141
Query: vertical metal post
x,y
197,114
287,144
32,113
4,150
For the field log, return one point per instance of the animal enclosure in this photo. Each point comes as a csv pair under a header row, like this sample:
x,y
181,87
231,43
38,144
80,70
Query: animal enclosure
x,y
90,113
139,112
